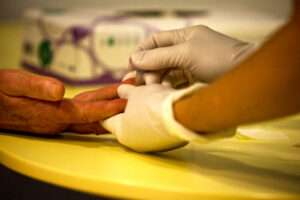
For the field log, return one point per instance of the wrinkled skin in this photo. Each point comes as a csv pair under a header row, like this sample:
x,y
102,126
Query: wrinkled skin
x,y
33,103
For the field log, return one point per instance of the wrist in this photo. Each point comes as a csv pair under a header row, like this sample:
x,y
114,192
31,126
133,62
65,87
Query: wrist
x,y
244,52
197,111
182,120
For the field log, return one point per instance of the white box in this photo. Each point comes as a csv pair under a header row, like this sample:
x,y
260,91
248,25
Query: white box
x,y
84,46
88,46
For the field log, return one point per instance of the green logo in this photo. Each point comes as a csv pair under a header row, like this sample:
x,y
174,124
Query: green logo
x,y
45,53
111,41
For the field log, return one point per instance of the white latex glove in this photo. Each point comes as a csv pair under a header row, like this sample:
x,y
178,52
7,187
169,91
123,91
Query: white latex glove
x,y
148,123
175,78
207,54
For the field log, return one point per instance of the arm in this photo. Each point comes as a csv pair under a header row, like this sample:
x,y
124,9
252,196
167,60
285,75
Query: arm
x,y
265,86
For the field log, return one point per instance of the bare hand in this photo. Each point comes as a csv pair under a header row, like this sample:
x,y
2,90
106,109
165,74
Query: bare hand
x,y
102,94
34,103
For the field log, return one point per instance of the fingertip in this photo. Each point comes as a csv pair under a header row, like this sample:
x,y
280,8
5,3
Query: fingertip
x,y
167,83
113,124
56,89
136,58
130,81
114,107
121,104
129,75
60,90
79,96
152,78
124,90
104,93
127,64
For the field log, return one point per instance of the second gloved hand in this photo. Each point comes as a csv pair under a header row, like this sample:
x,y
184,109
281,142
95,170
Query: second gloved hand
x,y
148,123
205,53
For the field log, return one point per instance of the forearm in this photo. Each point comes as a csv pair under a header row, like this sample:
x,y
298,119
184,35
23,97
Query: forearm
x,y
267,85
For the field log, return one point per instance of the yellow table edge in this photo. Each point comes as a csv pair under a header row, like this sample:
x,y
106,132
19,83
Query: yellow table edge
x,y
108,188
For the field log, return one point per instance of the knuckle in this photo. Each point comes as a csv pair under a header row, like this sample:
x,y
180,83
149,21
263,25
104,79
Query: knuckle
x,y
201,27
183,55
5,76
180,35
189,48
42,125
154,37
107,110
48,130
84,114
81,97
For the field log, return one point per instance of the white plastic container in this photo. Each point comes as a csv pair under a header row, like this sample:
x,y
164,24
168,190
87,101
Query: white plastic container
x,y
89,46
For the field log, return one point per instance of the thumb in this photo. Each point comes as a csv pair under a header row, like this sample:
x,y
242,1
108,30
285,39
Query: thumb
x,y
22,83
161,58
124,90
113,124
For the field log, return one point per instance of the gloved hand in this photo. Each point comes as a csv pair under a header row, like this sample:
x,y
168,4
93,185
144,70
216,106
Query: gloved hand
x,y
175,78
148,123
204,52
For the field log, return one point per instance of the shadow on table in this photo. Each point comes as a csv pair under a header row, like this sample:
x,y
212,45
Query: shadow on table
x,y
219,164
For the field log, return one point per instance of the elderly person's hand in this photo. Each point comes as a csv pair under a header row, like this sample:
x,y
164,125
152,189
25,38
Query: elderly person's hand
x,y
35,104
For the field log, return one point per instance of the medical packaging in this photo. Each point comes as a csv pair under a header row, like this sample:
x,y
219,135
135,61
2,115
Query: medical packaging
x,y
82,46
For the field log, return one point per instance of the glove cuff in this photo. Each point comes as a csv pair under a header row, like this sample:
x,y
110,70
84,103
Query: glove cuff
x,y
178,130
245,52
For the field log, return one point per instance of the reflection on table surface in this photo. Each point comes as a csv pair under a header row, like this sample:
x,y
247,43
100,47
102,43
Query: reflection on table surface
x,y
232,167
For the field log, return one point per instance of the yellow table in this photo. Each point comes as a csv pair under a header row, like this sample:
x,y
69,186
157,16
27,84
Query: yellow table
x,y
233,168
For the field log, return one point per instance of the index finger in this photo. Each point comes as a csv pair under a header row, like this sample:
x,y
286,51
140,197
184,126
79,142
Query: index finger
x,y
163,39
157,40
105,93
81,112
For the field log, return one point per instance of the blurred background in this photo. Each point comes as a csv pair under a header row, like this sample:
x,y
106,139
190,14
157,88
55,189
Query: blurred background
x,y
248,20
13,9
